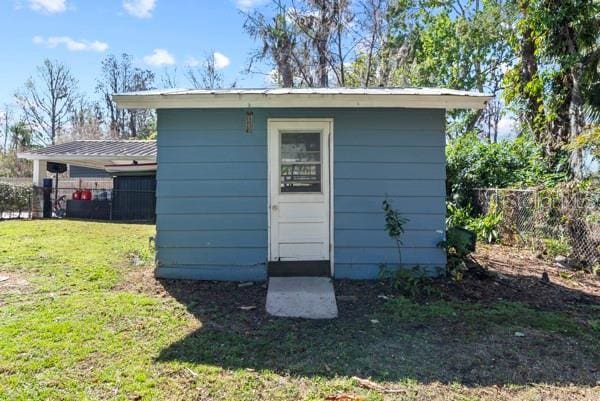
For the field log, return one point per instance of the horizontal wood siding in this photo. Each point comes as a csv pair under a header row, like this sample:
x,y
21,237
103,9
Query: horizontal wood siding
x,y
212,190
212,196
399,154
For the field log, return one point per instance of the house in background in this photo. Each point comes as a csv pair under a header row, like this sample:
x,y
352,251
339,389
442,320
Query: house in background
x,y
125,170
252,183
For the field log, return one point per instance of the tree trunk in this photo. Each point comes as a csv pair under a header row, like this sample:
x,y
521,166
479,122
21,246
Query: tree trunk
x,y
575,120
529,71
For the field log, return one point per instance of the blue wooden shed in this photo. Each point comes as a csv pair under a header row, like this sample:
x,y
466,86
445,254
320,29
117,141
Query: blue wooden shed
x,y
258,182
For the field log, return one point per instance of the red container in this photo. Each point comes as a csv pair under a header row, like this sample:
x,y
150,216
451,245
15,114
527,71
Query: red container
x,y
86,194
76,195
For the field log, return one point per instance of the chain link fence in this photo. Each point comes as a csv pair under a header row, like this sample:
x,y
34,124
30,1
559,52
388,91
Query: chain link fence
x,y
559,221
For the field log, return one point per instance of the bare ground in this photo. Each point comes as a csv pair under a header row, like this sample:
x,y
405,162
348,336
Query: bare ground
x,y
502,333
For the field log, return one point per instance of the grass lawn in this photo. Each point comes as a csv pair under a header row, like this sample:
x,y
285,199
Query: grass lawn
x,y
81,317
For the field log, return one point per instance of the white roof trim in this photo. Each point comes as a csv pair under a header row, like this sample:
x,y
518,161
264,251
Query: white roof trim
x,y
309,97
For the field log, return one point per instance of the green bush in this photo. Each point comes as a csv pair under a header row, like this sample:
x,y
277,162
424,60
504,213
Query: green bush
x,y
457,216
14,198
459,243
555,247
486,227
472,163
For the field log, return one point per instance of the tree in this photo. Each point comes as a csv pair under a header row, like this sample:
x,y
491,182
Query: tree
x,y
47,101
21,136
118,76
5,118
461,45
558,74
304,40
322,23
86,121
169,78
458,44
206,75
279,40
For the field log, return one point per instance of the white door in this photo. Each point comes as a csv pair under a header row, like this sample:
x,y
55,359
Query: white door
x,y
299,186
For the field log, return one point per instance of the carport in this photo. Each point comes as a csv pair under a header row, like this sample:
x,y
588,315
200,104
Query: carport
x,y
130,163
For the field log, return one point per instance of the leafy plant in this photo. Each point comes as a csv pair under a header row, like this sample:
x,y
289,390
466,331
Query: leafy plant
x,y
459,243
409,282
14,198
394,225
486,227
457,216
472,164
555,247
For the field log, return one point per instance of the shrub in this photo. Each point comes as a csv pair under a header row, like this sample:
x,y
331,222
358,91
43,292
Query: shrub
x,y
458,216
14,198
472,164
409,282
555,247
459,244
487,227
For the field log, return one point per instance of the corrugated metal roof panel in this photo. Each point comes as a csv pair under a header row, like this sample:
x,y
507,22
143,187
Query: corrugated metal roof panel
x,y
435,98
308,91
100,148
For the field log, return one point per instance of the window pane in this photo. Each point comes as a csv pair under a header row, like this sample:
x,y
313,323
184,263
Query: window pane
x,y
300,147
300,162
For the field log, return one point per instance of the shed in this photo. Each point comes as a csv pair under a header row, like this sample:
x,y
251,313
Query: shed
x,y
259,182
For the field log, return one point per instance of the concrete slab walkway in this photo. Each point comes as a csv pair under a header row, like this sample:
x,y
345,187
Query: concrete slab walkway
x,y
305,297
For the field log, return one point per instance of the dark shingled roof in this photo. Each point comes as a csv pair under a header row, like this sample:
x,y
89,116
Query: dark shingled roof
x,y
102,148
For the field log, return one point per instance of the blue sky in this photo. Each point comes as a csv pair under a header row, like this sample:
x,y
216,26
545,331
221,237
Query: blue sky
x,y
157,33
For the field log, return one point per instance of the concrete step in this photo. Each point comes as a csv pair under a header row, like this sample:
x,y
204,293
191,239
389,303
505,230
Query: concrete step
x,y
304,297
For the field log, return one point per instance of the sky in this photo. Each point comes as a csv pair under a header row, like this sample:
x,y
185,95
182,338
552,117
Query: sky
x,y
158,34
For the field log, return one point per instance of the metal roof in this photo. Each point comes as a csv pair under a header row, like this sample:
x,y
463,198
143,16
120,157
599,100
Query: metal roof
x,y
303,97
96,149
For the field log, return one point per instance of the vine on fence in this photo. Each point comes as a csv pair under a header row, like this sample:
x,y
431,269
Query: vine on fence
x,y
557,221
14,199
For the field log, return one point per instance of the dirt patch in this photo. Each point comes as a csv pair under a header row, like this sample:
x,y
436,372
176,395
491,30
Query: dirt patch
x,y
12,283
499,273
511,274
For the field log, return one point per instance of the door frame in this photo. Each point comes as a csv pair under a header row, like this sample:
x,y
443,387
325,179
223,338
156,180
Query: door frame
x,y
270,131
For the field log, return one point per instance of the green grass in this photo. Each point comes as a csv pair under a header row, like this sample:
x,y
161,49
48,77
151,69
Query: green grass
x,y
81,323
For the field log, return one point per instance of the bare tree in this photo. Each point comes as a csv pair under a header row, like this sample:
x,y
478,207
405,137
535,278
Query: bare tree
x,y
118,76
169,78
47,101
85,121
5,119
206,75
278,39
322,23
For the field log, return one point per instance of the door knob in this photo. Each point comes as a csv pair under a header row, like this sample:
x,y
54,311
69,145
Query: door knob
x,y
274,207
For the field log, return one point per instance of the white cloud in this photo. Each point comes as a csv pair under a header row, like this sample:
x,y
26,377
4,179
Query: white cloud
x,y
159,57
246,5
139,8
48,6
71,44
221,60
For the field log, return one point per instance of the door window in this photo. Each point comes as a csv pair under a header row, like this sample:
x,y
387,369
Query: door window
x,y
300,162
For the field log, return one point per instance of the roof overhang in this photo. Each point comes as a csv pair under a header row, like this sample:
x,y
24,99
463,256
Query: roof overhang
x,y
97,162
421,98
